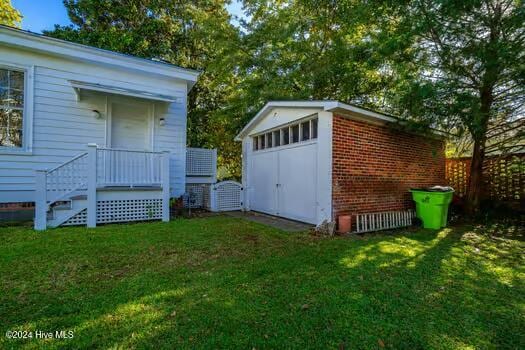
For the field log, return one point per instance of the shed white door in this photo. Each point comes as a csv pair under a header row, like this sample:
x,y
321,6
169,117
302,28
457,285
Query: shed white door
x,y
130,125
297,190
284,182
264,182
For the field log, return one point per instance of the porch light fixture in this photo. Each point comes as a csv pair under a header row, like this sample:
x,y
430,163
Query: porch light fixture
x,y
96,114
162,121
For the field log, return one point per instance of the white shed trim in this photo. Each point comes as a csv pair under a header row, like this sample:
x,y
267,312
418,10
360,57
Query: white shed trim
x,y
329,106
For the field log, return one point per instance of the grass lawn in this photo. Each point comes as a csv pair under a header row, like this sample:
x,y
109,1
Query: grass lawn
x,y
227,283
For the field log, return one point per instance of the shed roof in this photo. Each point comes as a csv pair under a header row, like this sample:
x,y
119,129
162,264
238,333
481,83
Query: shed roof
x,y
326,105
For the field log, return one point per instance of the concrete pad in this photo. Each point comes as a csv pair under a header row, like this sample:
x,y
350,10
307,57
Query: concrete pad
x,y
272,221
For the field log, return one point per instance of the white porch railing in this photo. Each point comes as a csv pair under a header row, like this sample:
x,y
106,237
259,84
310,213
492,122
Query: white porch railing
x,y
100,167
120,167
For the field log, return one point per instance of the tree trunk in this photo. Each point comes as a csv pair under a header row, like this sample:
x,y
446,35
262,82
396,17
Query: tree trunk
x,y
475,182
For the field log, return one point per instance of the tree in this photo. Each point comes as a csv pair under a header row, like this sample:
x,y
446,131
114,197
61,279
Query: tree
x,y
196,34
459,65
9,16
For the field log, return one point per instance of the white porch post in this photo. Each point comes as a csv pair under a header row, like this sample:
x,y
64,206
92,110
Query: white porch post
x,y
92,185
40,201
165,178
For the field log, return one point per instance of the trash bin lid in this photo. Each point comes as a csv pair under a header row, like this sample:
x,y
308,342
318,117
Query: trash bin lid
x,y
434,189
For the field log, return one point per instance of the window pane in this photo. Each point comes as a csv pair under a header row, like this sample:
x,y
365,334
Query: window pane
x,y
295,133
269,142
16,98
16,137
3,136
277,138
305,129
4,78
286,135
16,80
255,143
10,128
262,143
4,96
314,128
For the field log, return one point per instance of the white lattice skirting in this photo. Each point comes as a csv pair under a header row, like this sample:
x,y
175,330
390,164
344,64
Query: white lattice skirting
x,y
110,211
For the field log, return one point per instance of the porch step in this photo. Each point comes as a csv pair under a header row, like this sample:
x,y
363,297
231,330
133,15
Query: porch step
x,y
60,213
63,216
79,197
65,206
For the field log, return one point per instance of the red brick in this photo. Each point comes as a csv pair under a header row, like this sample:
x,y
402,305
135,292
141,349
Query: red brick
x,y
374,166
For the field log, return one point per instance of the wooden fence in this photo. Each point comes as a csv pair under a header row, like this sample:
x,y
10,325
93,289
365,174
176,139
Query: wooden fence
x,y
503,176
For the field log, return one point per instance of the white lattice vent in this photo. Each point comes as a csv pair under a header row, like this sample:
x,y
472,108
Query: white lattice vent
x,y
201,162
78,219
129,210
383,221
228,196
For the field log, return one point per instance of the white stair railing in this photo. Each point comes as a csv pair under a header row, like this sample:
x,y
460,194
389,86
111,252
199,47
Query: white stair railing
x,y
66,178
101,167
56,184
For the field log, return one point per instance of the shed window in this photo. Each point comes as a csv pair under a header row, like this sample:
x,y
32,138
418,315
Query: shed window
x,y
255,143
262,144
11,107
305,131
286,135
314,128
295,133
269,143
277,138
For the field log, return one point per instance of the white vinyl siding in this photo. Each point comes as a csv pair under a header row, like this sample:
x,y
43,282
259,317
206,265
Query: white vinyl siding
x,y
63,126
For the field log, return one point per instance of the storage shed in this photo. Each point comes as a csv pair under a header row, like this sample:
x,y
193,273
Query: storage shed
x,y
313,161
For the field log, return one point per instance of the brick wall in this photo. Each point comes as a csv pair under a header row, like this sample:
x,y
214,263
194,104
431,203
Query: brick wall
x,y
374,166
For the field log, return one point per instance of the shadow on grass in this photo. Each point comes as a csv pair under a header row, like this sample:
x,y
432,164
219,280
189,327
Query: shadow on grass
x,y
227,283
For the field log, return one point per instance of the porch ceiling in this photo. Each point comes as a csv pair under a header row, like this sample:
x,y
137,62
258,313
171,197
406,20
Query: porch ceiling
x,y
82,85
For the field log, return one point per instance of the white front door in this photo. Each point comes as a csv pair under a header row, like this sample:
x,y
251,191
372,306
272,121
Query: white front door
x,y
283,182
130,125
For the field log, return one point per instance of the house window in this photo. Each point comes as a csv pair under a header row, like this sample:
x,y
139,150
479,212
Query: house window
x,y
11,107
295,133
314,128
305,131
277,138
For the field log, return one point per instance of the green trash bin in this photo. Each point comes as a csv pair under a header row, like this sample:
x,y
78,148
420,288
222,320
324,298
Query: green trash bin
x,y
432,206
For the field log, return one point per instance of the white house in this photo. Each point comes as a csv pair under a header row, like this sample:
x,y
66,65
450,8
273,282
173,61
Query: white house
x,y
315,161
90,135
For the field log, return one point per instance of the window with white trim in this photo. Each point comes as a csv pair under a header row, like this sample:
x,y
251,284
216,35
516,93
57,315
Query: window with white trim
x,y
12,89
301,131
